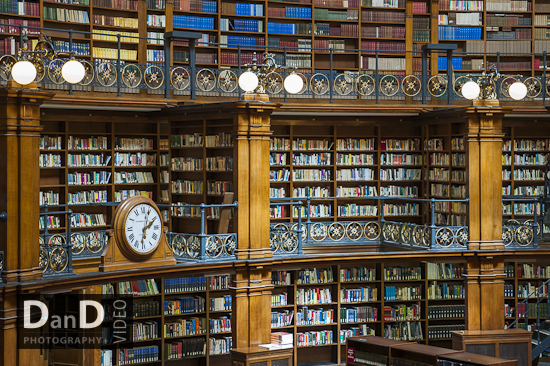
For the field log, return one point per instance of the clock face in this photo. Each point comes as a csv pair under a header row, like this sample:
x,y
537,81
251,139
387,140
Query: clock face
x,y
143,228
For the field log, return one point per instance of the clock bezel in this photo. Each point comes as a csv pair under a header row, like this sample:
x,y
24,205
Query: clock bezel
x,y
119,224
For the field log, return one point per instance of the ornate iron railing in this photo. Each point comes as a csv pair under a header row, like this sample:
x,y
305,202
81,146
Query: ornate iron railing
x,y
55,251
1,264
127,76
523,232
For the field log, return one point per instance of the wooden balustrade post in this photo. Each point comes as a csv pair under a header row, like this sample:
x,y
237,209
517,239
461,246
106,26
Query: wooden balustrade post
x,y
19,190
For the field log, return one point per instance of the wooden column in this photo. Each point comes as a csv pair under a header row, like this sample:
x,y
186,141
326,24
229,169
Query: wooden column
x,y
19,187
252,294
485,274
19,182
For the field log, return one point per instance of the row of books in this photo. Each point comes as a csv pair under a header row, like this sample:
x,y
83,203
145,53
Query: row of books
x,y
524,159
116,4
282,319
112,53
127,193
155,20
185,305
446,311
138,288
241,25
205,6
13,28
437,271
193,22
402,312
84,197
384,3
53,222
155,55
289,12
350,14
49,161
20,8
360,294
115,21
224,303
79,49
314,338
220,325
186,284
245,42
220,346
101,177
48,198
109,35
185,348
358,314
461,5
404,331
510,21
382,32
144,309
306,316
185,327
357,274
313,296
494,33
312,276
128,356
393,293
354,210
256,10
87,220
459,33
133,177
503,5
144,331
443,331
66,15
441,291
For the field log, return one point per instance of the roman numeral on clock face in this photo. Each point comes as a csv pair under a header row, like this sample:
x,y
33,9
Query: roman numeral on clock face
x,y
155,236
131,237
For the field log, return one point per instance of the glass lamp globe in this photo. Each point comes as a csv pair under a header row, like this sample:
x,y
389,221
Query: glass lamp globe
x,y
23,72
517,90
248,81
470,90
73,71
293,83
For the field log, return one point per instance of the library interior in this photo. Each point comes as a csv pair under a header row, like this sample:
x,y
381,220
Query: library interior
x,y
274,182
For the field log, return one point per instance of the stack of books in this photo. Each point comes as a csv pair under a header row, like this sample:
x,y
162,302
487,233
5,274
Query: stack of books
x,y
280,340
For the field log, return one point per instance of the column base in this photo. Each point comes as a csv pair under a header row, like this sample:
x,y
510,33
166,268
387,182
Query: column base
x,y
255,96
486,245
486,103
21,275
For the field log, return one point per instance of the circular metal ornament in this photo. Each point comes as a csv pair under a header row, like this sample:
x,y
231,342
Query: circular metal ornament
x,y
294,228
505,85
40,240
278,234
372,230
179,78
365,85
227,81
106,74
274,83
6,64
318,231
354,231
417,235
437,85
290,242
411,85
178,245
507,235
459,83
193,247
131,75
386,232
40,70
524,235
531,223
319,84
389,85
43,260
547,86
57,239
206,80
95,242
512,222
534,87
444,237
78,242
336,231
230,245
214,246
394,232
54,71
343,84
153,77
59,259
461,236
88,73
406,233
274,241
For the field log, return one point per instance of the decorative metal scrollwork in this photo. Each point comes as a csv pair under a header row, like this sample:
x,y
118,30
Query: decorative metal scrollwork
x,y
274,83
459,83
278,232
304,79
6,64
179,78
59,259
40,70
179,245
78,242
389,85
547,86
426,234
343,84
507,235
206,80
214,246
319,84
95,242
437,85
462,237
372,230
88,73
524,235
131,75
534,87
106,74
294,228
513,222
394,232
417,235
193,247
43,259
354,231
57,239
153,77
230,245
505,86
444,237
40,240
54,71
386,231
531,223
290,242
406,233
365,85
336,231
318,231
227,81
411,85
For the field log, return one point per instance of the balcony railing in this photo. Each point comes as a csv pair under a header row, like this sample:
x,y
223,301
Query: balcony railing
x,y
1,264
369,84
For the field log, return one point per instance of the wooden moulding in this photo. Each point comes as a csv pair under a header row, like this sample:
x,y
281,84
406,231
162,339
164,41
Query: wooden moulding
x,y
260,355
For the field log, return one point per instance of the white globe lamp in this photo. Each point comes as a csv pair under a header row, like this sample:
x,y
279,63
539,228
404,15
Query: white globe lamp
x,y
73,72
470,90
248,81
293,83
23,72
517,90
